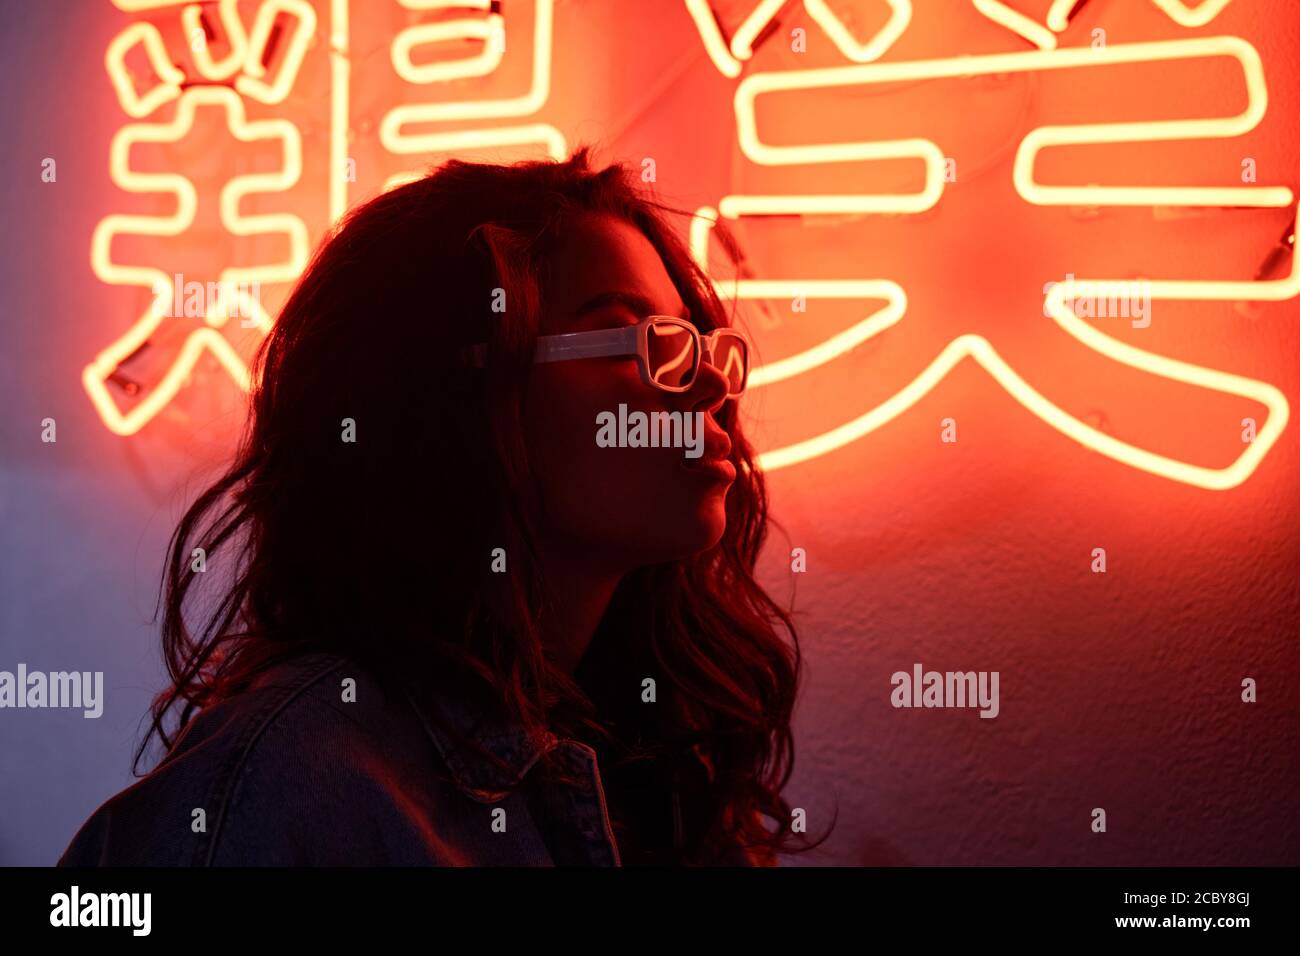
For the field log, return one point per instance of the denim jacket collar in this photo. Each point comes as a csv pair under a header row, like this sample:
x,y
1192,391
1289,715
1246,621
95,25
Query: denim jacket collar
x,y
477,778
485,782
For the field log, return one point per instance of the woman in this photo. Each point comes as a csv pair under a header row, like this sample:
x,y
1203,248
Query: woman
x,y
456,624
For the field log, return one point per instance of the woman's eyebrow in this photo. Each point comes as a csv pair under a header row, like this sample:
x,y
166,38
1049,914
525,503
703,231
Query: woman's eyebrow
x,y
638,303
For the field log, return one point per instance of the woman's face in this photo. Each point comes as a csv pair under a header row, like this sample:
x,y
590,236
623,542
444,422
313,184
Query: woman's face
x,y
623,507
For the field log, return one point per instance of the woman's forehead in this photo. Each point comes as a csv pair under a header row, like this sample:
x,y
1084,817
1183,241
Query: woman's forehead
x,y
600,255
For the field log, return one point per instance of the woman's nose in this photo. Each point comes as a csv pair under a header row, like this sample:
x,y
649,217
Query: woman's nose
x,y
709,390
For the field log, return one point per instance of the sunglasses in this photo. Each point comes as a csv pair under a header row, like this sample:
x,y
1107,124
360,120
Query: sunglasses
x,y
668,350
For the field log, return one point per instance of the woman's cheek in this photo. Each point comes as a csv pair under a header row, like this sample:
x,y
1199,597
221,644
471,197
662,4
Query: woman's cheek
x,y
563,427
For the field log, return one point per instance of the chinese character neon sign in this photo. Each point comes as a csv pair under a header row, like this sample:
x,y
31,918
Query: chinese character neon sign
x,y
245,71
727,57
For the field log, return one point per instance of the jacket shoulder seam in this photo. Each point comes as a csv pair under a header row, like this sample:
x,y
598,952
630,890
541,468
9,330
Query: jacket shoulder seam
x,y
256,727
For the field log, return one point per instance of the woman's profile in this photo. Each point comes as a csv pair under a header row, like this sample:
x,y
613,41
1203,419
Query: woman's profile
x,y
451,614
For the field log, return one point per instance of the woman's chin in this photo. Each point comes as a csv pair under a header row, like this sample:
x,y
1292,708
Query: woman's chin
x,y
709,525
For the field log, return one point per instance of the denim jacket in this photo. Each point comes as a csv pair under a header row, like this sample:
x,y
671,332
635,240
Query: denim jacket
x,y
289,773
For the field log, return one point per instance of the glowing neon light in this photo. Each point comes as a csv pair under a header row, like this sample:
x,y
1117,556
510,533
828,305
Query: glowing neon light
x,y
97,372
1017,23
702,13
169,75
1058,17
742,41
727,59
252,83
1037,139
983,352
235,36
702,224
976,346
136,6
491,30
1179,12
340,74
245,56
244,62
530,102
900,15
391,133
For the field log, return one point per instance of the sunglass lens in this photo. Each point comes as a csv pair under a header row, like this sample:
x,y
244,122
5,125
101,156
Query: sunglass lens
x,y
672,354
731,356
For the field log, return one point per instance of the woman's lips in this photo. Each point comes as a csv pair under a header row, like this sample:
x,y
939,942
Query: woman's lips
x,y
713,466
714,462
717,469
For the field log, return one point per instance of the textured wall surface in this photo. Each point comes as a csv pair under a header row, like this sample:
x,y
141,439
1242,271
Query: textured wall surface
x,y
1119,690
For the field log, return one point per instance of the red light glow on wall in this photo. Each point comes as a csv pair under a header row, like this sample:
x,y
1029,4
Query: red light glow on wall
x,y
305,109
